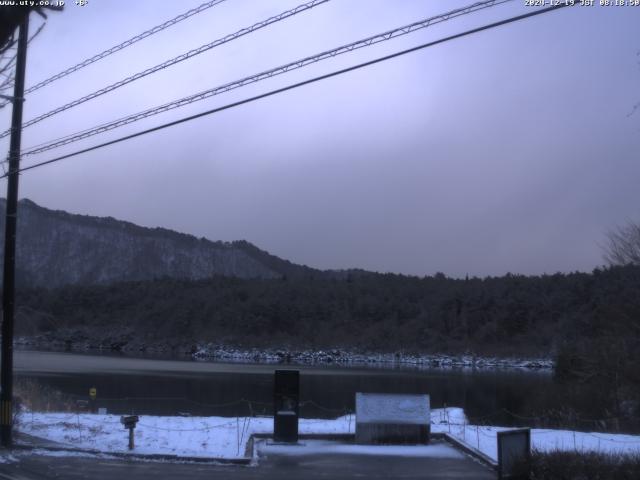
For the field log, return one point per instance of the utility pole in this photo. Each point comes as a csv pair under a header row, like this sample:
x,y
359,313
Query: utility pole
x,y
8,290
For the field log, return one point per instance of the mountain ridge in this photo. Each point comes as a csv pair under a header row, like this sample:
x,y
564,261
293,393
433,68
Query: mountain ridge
x,y
57,248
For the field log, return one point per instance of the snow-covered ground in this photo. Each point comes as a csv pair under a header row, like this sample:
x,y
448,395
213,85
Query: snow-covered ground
x,y
220,437
223,437
484,438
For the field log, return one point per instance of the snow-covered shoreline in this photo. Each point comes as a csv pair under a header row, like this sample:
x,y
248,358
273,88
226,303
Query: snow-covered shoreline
x,y
333,356
346,358
227,437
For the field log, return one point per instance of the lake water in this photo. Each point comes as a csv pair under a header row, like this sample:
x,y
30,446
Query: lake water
x,y
170,387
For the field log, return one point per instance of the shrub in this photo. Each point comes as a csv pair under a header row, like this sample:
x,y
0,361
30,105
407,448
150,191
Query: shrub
x,y
562,465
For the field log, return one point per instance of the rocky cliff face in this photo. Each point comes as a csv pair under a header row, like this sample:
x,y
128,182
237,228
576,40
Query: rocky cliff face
x,y
57,248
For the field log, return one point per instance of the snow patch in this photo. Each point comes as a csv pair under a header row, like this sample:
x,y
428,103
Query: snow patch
x,y
310,447
6,457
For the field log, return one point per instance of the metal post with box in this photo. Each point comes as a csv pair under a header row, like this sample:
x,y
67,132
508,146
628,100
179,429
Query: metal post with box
x,y
129,422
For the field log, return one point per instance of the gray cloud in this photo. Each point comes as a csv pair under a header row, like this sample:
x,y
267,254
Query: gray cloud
x,y
507,151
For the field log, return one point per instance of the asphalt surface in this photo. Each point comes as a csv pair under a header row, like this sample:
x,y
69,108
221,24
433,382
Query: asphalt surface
x,y
270,466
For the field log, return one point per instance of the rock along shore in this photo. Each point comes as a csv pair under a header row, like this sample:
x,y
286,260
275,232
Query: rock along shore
x,y
334,356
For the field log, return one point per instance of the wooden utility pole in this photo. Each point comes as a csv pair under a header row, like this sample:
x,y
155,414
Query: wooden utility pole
x,y
8,290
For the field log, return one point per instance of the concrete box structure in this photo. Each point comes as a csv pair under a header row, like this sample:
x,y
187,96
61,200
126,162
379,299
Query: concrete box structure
x,y
392,419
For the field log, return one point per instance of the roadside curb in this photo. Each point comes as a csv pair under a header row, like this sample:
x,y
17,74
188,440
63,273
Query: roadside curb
x,y
140,456
443,436
469,450
246,460
250,453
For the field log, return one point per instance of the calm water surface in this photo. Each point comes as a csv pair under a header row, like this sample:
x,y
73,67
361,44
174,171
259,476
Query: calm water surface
x,y
170,387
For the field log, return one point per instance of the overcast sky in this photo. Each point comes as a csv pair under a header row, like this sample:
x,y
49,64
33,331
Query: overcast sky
x,y
511,150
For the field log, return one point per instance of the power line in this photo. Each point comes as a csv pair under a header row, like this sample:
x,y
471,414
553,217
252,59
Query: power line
x,y
125,44
300,84
381,37
180,58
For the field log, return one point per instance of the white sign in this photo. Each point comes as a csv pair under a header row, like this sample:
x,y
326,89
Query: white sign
x,y
392,408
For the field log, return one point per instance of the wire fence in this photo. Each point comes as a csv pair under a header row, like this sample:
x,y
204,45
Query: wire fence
x,y
251,407
561,420
482,438
469,430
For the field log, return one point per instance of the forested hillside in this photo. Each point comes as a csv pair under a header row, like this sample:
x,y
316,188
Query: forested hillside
x,y
507,314
588,323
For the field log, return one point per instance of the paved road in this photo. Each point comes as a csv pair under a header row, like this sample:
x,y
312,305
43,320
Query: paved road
x,y
273,466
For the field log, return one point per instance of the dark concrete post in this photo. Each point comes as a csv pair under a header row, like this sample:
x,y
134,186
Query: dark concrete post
x,y
286,404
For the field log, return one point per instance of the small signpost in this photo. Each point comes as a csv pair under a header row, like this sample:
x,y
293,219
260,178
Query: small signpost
x,y
514,448
129,422
286,402
93,393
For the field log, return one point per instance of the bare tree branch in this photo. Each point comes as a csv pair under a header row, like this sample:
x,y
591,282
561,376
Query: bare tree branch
x,y
7,63
623,245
